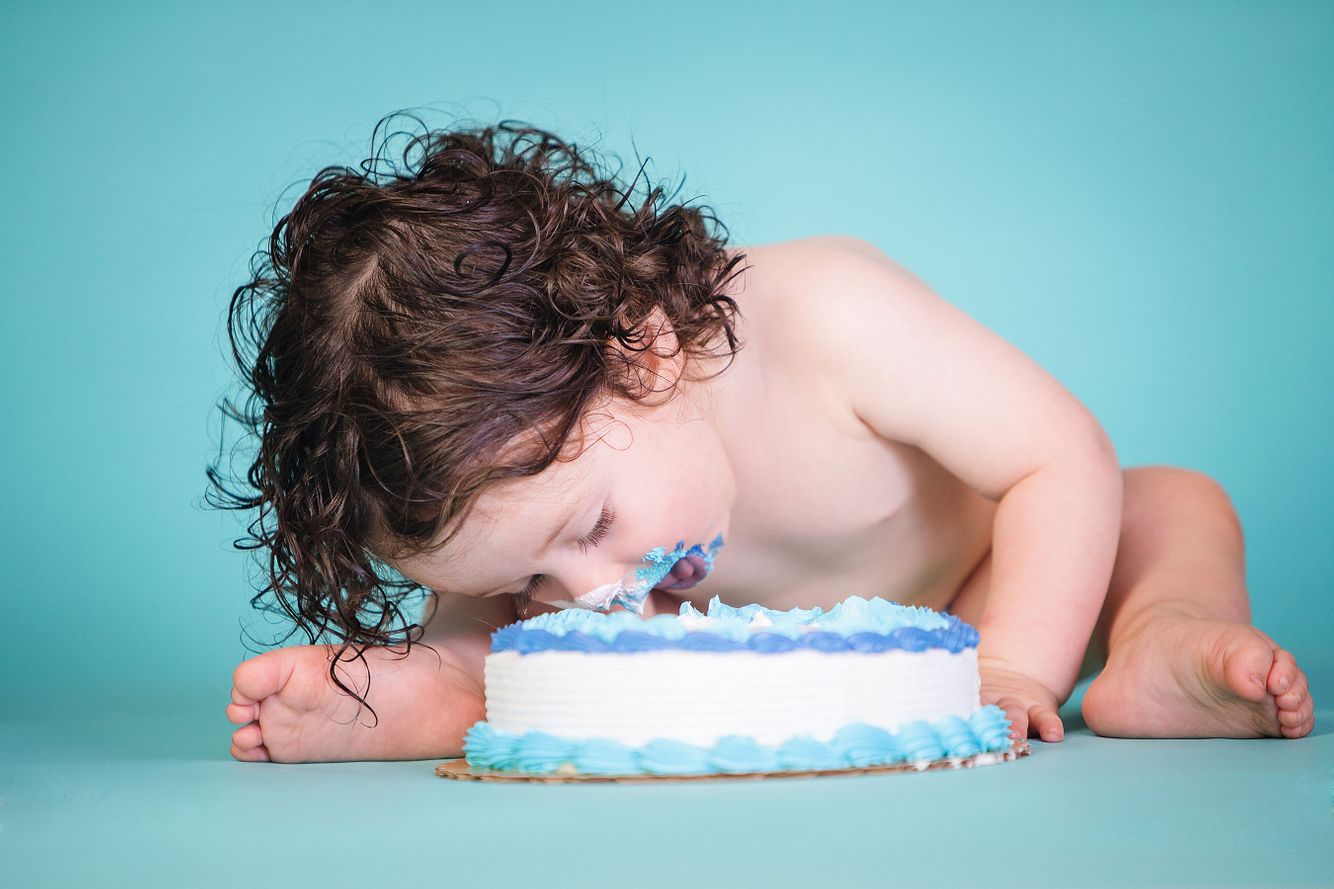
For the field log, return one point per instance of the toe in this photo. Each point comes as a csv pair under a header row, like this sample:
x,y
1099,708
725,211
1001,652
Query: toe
x,y
1298,721
261,676
254,754
1294,697
1282,674
1292,718
1246,668
1299,731
248,736
1046,723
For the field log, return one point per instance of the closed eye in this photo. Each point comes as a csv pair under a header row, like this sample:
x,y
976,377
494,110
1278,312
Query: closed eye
x,y
599,532
524,597
594,537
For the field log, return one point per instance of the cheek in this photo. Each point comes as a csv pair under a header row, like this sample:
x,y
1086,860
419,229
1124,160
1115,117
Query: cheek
x,y
686,495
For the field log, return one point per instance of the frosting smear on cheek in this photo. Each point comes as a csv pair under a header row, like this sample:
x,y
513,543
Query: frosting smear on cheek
x,y
631,591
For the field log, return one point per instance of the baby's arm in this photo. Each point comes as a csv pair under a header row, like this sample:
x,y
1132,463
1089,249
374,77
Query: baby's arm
x,y
921,371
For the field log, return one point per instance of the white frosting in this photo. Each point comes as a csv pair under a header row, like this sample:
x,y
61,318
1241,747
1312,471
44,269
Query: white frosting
x,y
699,697
598,599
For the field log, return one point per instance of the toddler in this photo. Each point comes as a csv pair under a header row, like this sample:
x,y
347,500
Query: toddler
x,y
490,377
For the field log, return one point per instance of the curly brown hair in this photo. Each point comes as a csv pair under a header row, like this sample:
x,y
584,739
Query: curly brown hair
x,y
411,326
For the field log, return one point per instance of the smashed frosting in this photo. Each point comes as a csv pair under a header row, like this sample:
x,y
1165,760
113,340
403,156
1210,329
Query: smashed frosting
x,y
631,591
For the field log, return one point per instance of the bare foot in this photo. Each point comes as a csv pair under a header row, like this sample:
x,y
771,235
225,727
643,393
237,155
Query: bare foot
x,y
294,713
1185,677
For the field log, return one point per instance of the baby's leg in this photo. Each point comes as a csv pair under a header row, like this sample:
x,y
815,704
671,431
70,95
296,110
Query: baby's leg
x,y
1181,659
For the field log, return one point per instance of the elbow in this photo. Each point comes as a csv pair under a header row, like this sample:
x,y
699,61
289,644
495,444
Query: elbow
x,y
1087,454
1099,454
1083,441
1103,449
1104,452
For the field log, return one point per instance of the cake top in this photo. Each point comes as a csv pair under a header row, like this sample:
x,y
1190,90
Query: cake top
x,y
855,624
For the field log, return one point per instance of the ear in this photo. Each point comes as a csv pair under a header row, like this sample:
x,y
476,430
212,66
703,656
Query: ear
x,y
656,362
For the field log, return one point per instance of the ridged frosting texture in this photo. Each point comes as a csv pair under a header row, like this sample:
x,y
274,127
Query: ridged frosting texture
x,y
701,696
986,730
855,624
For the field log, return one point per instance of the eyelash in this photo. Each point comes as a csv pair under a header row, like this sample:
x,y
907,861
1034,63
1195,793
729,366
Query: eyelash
x,y
599,532
596,536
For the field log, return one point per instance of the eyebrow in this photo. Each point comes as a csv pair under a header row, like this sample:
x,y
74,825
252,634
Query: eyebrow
x,y
569,516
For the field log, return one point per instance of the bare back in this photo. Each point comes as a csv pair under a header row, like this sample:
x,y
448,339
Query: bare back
x,y
825,507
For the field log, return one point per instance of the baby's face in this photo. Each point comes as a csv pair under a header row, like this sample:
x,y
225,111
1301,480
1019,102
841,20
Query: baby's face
x,y
649,477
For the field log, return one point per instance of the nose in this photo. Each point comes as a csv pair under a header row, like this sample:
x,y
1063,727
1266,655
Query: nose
x,y
561,590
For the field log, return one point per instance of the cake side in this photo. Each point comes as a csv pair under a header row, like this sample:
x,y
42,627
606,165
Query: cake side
x,y
869,682
699,697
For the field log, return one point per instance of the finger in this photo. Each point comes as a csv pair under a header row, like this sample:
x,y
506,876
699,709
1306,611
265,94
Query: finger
x,y
1046,722
1017,713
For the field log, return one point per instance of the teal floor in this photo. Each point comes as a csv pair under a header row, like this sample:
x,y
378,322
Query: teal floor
x,y
111,794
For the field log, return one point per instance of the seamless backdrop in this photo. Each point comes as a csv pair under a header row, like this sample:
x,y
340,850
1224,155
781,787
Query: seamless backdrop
x,y
1139,195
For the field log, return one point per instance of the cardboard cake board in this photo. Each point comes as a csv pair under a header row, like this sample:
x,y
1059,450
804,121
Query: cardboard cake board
x,y
460,770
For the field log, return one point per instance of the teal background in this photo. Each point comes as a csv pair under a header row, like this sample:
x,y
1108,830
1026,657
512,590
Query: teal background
x,y
1138,195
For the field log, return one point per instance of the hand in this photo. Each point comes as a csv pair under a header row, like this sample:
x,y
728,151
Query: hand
x,y
1030,706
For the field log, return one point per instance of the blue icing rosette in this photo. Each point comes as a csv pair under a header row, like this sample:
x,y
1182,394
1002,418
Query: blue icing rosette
x,y
737,753
489,749
667,757
602,756
957,737
920,742
860,744
853,746
542,752
804,752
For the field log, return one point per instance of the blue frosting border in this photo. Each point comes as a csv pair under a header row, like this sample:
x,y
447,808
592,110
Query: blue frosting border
x,y
855,624
854,745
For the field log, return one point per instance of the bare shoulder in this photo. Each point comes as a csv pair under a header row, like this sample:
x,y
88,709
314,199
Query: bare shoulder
x,y
809,287
917,369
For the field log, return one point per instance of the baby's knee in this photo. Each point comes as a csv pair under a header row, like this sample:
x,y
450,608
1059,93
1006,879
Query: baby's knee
x,y
1159,488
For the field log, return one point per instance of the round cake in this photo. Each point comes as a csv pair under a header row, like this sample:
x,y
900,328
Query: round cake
x,y
751,689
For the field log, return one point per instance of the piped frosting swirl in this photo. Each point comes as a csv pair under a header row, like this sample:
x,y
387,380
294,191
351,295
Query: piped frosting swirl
x,y
855,624
855,745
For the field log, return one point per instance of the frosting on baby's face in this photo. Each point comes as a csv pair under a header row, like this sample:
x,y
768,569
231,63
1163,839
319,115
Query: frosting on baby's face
x,y
657,566
645,505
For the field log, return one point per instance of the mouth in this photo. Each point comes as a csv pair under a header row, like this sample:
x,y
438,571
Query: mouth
x,y
686,573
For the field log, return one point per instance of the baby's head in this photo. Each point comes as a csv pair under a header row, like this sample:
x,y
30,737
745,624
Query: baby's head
x,y
453,362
